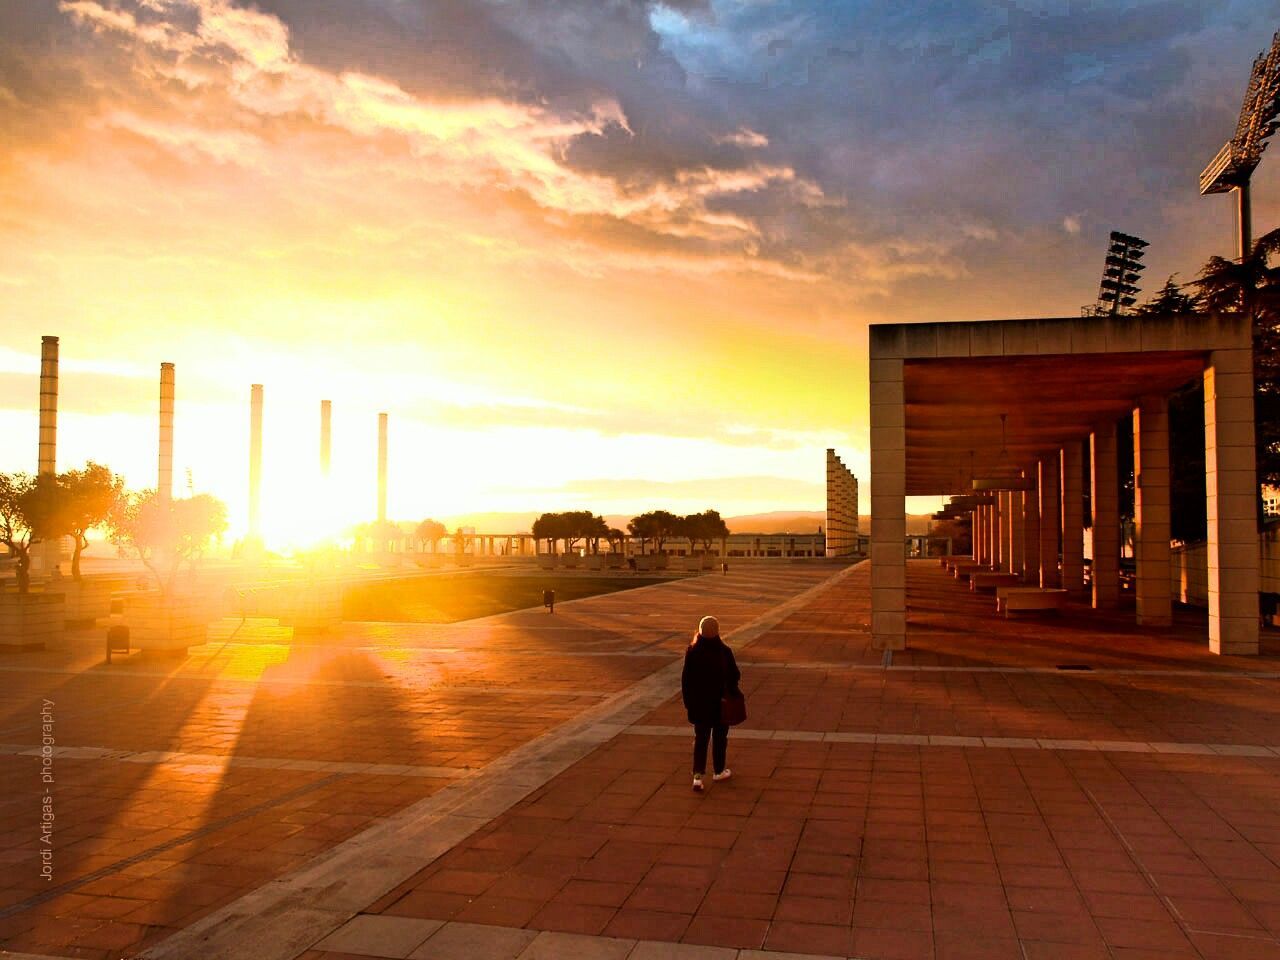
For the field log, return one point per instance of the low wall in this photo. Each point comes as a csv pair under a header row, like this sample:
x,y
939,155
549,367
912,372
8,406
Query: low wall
x,y
1189,569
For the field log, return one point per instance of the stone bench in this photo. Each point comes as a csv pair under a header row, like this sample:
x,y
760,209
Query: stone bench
x,y
981,581
1011,600
962,571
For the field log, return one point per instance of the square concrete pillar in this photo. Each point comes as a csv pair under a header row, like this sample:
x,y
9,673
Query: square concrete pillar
x,y
993,531
1006,531
1231,493
1050,476
888,506
1017,532
1104,496
1073,516
1031,528
975,533
1151,511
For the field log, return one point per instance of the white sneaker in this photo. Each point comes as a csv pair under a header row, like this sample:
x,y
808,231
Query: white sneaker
x,y
697,782
724,774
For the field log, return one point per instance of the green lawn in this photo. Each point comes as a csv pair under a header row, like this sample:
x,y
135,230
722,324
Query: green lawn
x,y
465,596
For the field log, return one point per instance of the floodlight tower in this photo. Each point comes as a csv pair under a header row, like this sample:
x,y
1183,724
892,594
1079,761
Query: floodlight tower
x,y
1120,274
1234,164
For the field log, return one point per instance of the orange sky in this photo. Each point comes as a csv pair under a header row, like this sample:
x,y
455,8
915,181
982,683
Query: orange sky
x,y
571,280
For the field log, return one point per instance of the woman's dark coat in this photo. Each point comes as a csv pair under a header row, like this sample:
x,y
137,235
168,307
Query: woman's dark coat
x,y
709,672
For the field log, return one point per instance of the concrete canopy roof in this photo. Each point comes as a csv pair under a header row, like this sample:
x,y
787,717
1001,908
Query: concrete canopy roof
x,y
1054,379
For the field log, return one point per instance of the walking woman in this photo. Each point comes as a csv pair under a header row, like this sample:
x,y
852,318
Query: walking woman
x,y
710,676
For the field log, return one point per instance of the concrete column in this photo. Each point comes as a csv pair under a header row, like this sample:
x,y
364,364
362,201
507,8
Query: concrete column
x,y
1050,476
1104,496
1231,502
1017,532
44,553
993,530
888,506
47,453
975,532
1006,532
326,436
1073,516
1151,511
382,467
1031,528
164,472
255,460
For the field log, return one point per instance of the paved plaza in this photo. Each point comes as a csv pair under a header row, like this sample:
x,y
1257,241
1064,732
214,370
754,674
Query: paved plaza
x,y
1077,787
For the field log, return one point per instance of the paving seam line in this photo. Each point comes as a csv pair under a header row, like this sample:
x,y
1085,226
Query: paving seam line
x,y
1225,750
286,916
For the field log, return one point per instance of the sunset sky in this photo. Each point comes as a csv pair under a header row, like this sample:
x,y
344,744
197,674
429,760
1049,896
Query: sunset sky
x,y
604,254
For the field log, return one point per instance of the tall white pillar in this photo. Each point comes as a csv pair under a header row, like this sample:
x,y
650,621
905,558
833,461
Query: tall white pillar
x,y
1231,493
164,470
1104,498
1073,516
255,460
1151,510
888,506
382,467
1050,520
326,436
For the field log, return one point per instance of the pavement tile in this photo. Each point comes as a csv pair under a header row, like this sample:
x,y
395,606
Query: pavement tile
x,y
469,941
379,936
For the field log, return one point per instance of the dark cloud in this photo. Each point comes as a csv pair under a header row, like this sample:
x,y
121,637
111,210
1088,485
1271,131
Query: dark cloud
x,y
917,134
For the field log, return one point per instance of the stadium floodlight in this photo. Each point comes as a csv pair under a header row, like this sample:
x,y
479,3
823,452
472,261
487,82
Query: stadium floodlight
x,y
1233,166
1121,272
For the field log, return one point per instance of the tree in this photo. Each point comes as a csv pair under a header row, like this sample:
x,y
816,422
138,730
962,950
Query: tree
x,y
643,528
30,513
1252,286
88,498
617,539
548,527
460,539
166,533
1170,300
705,527
432,532
656,525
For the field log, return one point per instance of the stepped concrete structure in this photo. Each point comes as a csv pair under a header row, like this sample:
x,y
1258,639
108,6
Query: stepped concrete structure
x,y
842,508
1018,403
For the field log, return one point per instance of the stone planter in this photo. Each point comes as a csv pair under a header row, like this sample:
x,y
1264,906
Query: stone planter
x,y
165,625
29,621
313,608
594,561
571,561
87,601
546,561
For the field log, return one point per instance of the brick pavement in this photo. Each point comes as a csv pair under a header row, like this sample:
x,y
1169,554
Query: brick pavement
x,y
180,787
1128,812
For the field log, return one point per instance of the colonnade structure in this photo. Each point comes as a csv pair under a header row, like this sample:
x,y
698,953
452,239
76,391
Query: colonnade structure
x,y
842,508
1011,412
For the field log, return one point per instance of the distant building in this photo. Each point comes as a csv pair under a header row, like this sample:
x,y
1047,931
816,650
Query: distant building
x,y
1270,500
842,508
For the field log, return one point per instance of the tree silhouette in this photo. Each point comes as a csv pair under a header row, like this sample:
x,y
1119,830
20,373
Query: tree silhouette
x,y
656,525
432,532
1170,299
89,497
705,527
165,533
30,513
1252,286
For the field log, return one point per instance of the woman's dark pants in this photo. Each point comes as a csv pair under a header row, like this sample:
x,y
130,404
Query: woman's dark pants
x,y
719,737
